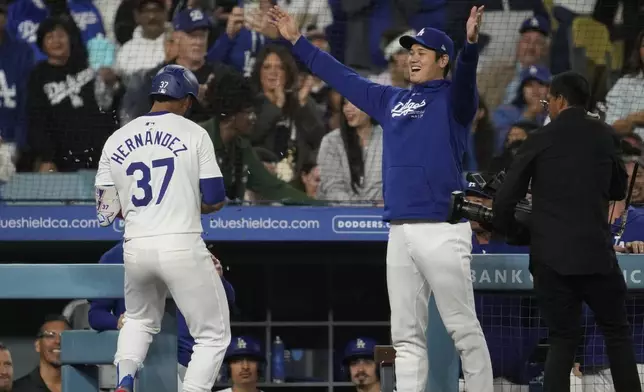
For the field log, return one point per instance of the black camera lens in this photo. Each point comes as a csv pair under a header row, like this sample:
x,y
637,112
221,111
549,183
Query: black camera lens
x,y
462,208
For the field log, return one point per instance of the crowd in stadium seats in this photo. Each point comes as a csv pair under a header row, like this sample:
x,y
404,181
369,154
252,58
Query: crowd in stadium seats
x,y
73,71
78,70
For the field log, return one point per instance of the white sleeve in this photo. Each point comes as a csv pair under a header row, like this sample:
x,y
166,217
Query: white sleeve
x,y
208,167
324,17
616,108
104,172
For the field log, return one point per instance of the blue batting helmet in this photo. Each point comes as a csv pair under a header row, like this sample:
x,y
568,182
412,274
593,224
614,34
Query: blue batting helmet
x,y
358,348
175,81
244,347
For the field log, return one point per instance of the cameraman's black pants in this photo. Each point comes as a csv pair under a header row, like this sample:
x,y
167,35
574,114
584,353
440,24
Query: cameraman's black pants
x,y
560,299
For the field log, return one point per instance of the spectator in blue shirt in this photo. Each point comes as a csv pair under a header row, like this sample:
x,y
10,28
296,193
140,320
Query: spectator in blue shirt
x,y
16,62
107,314
26,15
526,106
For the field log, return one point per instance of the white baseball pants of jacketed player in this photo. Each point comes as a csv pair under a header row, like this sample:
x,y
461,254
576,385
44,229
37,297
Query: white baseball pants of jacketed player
x,y
425,259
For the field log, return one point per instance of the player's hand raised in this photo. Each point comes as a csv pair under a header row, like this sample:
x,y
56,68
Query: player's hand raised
x,y
284,23
474,24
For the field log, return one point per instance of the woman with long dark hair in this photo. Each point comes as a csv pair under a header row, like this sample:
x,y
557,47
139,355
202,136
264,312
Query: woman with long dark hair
x,y
350,159
288,122
625,101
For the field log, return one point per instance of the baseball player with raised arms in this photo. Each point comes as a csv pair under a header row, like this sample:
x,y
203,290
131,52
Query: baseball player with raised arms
x,y
425,137
160,171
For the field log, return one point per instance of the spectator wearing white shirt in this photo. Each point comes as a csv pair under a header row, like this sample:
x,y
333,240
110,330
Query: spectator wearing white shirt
x,y
625,101
397,72
107,9
146,48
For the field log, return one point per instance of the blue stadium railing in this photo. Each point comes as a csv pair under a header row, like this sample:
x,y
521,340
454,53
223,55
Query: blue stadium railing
x,y
91,281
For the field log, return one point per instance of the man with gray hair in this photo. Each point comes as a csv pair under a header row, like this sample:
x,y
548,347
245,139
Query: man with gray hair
x,y
6,369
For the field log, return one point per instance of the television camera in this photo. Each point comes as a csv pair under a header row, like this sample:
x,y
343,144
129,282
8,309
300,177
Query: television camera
x,y
461,208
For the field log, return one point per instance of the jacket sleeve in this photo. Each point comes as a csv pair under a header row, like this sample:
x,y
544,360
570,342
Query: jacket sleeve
x,y
370,97
268,185
267,116
39,132
100,315
464,93
310,124
220,50
515,186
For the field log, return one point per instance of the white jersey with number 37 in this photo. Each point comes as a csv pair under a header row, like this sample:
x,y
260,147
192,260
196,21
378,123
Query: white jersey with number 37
x,y
155,163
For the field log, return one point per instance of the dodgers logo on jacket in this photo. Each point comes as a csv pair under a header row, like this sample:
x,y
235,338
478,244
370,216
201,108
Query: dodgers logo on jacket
x,y
409,108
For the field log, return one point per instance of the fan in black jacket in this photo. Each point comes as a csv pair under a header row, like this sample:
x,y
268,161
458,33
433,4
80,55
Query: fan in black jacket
x,y
66,128
573,168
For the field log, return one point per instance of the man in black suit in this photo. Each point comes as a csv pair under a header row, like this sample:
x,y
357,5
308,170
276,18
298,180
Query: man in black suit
x,y
573,169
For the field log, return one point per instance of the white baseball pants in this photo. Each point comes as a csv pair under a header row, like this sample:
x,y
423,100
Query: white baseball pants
x,y
180,264
426,259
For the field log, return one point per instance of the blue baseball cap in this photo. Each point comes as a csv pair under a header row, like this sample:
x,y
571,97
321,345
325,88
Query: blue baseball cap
x,y
190,19
536,72
244,347
430,38
360,347
536,23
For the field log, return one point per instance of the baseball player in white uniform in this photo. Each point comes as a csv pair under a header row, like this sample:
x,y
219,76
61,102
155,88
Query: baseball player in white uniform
x,y
159,171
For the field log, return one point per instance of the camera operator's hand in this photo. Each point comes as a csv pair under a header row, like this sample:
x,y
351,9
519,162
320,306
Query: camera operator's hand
x,y
636,247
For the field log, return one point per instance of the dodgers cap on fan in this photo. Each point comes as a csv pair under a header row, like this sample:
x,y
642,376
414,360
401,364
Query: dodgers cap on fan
x,y
360,347
190,19
536,72
176,82
536,23
430,38
244,346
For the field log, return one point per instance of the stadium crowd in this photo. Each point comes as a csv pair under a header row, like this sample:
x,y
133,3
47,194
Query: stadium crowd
x,y
73,71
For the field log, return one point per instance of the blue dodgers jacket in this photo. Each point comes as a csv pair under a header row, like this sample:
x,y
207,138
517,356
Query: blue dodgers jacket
x,y
104,313
425,130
